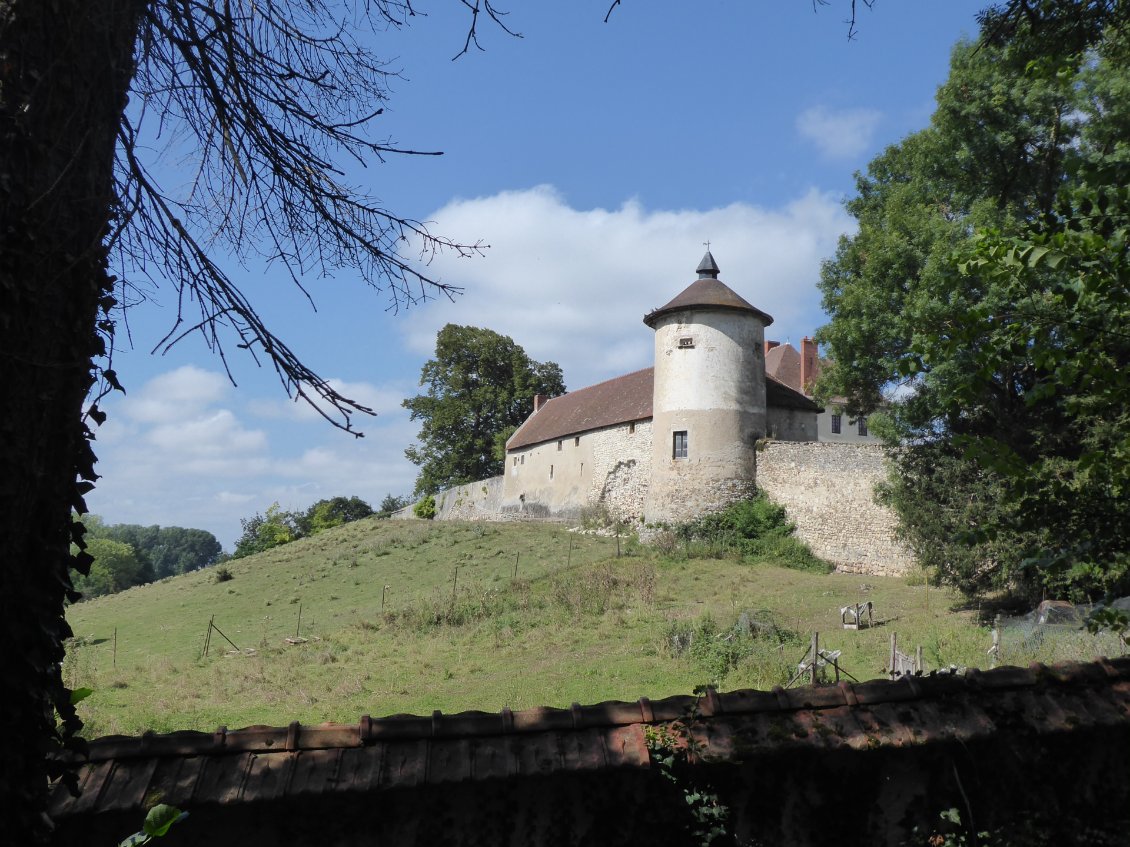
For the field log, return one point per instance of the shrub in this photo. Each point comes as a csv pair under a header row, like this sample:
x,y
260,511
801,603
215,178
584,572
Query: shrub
x,y
222,574
756,528
426,508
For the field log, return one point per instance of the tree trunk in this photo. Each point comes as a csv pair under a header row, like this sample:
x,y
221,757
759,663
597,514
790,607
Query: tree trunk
x,y
65,68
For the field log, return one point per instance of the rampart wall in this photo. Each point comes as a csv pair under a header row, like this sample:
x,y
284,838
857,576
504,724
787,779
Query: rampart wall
x,y
828,491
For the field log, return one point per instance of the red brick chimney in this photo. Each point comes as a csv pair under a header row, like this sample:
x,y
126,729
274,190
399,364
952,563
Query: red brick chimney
x,y
769,345
809,364
540,400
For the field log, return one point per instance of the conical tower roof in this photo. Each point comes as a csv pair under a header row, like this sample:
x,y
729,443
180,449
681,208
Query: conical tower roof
x,y
707,293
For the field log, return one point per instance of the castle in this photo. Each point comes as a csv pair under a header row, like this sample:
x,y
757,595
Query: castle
x,y
675,440
721,414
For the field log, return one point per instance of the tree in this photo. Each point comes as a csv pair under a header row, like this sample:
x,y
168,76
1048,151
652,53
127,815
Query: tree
x,y
116,567
480,386
988,276
326,514
263,97
265,531
391,504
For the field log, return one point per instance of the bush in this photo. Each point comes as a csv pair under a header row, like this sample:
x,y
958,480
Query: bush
x,y
222,574
426,508
756,528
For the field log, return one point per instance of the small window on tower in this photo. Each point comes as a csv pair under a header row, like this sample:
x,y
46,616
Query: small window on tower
x,y
631,429
558,446
551,471
679,445
686,342
577,441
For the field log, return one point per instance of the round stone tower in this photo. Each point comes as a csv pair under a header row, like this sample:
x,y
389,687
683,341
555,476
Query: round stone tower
x,y
708,402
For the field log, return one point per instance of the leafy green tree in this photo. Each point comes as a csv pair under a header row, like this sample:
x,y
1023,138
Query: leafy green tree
x,y
391,504
480,387
265,531
988,277
116,567
326,514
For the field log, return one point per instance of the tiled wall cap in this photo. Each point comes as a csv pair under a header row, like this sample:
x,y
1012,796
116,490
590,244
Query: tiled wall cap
x,y
848,691
646,714
782,696
365,729
292,732
219,737
709,704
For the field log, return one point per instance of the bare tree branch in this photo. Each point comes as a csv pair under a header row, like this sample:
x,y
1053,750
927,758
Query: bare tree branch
x,y
262,100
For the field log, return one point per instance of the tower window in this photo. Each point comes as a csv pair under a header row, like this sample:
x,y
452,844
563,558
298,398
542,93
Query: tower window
x,y
631,428
679,444
837,424
551,471
577,441
558,446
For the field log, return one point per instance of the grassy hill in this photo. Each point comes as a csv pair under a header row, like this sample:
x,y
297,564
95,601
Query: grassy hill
x,y
577,624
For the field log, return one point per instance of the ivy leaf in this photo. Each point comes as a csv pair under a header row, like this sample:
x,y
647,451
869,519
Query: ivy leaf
x,y
80,694
161,817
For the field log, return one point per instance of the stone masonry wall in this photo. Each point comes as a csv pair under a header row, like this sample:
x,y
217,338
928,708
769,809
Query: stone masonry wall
x,y
475,501
622,469
828,491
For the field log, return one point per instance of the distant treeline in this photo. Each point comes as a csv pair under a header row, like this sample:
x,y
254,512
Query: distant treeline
x,y
276,526
128,554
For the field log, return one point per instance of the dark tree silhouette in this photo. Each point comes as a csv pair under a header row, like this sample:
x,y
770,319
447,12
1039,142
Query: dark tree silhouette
x,y
264,99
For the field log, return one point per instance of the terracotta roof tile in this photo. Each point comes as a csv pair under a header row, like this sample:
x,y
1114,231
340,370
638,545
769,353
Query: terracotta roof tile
x,y
615,401
255,765
706,293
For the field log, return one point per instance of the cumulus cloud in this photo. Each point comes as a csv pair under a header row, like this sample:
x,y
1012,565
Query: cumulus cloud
x,y
572,285
838,134
179,451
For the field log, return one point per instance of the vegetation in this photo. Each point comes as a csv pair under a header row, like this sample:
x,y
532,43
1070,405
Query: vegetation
x,y
989,277
480,388
411,616
124,555
756,529
265,531
425,508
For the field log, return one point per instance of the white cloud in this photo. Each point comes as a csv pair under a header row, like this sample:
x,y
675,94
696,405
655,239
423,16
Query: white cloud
x,y
174,454
842,134
569,285
572,286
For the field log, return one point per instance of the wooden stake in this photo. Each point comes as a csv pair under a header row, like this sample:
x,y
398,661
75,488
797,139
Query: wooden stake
x,y
454,585
207,638
384,593
815,654
569,564
918,659
894,651
298,628
516,555
115,648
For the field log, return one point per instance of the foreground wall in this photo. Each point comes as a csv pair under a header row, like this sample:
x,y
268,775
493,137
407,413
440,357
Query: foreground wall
x,y
828,491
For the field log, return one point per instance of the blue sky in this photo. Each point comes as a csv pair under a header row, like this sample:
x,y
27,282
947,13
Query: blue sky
x,y
594,159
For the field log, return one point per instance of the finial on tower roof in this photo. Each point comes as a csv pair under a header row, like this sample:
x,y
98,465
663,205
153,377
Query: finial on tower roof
x,y
707,268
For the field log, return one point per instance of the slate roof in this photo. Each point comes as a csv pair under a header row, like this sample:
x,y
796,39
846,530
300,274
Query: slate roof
x,y
618,401
247,766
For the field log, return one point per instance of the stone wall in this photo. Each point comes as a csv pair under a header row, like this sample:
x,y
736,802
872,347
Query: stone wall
x,y
563,478
475,501
828,492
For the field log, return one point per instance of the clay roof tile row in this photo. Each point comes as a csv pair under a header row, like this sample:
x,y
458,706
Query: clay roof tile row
x,y
260,763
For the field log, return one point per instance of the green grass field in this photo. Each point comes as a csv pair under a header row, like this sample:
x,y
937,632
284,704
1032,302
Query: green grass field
x,y
577,625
